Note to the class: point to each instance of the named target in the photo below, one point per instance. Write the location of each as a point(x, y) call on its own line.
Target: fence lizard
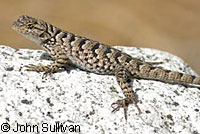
point(65, 47)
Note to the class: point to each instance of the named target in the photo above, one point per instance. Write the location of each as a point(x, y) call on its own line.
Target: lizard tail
point(161, 74)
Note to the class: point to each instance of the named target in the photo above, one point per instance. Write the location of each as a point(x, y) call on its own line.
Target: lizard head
point(31, 28)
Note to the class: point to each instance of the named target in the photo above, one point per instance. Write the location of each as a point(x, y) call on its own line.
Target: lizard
point(90, 55)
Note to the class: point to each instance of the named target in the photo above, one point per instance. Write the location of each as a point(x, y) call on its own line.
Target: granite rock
point(80, 100)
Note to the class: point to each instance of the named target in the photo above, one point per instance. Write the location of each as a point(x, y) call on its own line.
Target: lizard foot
point(124, 103)
point(36, 68)
point(152, 63)
point(41, 68)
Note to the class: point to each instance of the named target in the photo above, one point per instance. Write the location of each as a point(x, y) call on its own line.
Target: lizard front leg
point(51, 68)
point(124, 78)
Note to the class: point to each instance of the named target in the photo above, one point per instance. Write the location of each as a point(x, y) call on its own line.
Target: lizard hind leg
point(124, 80)
point(152, 63)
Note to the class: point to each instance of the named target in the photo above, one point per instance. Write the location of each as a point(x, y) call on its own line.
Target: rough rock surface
point(81, 98)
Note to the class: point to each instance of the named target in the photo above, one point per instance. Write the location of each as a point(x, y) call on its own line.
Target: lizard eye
point(29, 25)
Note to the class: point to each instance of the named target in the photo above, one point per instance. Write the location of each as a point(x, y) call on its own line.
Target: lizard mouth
point(16, 25)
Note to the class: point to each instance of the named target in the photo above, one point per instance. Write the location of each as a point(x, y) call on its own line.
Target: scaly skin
point(65, 47)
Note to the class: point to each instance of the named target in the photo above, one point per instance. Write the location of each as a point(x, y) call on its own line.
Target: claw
point(45, 74)
point(32, 67)
point(120, 103)
point(115, 109)
point(134, 102)
point(124, 103)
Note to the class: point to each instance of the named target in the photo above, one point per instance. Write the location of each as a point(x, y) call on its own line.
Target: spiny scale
point(95, 57)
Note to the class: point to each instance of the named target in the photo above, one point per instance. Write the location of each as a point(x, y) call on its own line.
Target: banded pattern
point(156, 73)
point(90, 55)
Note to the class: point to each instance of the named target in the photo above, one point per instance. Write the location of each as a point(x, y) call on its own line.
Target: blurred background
point(168, 25)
